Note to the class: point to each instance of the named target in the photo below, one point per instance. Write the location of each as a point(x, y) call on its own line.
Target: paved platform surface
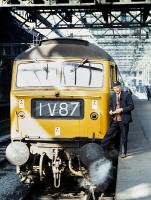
point(134, 171)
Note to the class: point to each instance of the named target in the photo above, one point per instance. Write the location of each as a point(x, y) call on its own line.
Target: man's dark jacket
point(126, 102)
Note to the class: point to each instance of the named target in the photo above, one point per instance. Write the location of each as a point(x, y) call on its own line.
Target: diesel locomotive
point(59, 108)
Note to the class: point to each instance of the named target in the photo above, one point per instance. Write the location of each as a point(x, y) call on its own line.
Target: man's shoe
point(123, 155)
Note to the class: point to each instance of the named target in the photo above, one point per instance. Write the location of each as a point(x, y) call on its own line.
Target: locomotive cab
point(59, 103)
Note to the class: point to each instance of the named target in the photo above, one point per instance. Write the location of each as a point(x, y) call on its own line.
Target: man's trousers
point(114, 129)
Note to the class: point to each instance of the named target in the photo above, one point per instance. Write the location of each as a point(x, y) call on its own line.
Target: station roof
point(121, 27)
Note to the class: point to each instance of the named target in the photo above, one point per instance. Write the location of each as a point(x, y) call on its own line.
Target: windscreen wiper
point(76, 67)
point(46, 70)
point(80, 64)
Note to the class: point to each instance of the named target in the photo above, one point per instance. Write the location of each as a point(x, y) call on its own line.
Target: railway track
point(67, 192)
point(61, 195)
point(4, 138)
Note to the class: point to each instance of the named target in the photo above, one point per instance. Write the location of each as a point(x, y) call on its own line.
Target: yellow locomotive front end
point(66, 108)
point(58, 105)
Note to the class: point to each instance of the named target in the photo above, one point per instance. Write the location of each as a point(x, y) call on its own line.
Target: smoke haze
point(100, 171)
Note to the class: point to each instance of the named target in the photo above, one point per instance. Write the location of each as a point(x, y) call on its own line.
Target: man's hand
point(119, 110)
point(111, 112)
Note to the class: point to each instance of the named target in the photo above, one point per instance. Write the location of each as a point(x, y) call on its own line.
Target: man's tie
point(118, 98)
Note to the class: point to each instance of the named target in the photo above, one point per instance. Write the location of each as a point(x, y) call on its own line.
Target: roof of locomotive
point(64, 47)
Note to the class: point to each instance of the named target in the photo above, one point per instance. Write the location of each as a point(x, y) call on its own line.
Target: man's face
point(117, 89)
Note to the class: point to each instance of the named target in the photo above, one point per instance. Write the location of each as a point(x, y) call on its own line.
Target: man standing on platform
point(121, 105)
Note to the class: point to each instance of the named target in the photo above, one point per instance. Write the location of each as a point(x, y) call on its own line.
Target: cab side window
point(113, 75)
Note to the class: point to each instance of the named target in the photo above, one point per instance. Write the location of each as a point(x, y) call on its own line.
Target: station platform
point(134, 171)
